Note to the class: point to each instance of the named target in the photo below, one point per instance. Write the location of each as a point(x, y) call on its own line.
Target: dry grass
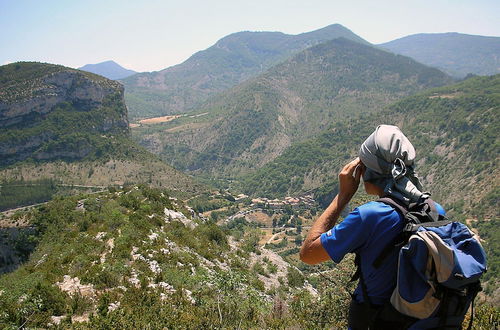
point(267, 234)
point(260, 217)
point(157, 120)
point(7, 221)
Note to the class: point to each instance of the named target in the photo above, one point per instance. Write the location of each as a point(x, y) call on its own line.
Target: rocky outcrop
point(51, 112)
point(22, 101)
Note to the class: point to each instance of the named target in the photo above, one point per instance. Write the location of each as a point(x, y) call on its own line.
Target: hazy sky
point(148, 35)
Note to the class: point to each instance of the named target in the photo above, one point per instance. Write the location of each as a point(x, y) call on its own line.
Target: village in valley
point(281, 223)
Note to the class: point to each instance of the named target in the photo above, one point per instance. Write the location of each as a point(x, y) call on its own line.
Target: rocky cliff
point(54, 112)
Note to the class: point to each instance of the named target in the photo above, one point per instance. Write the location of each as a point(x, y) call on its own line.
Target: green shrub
point(294, 277)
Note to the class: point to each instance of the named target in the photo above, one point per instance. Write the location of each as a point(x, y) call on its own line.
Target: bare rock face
point(22, 100)
point(53, 112)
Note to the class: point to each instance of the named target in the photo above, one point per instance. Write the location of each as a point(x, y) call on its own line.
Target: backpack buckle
point(410, 227)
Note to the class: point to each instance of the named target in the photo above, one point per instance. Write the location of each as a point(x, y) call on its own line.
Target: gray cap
point(389, 157)
point(384, 146)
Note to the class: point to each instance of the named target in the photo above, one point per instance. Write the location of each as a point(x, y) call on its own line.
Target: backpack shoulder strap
point(423, 211)
point(410, 223)
point(427, 210)
point(358, 275)
point(433, 212)
point(397, 206)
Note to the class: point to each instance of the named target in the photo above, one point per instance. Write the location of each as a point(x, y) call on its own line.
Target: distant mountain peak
point(332, 27)
point(108, 62)
point(230, 61)
point(109, 69)
point(255, 121)
point(456, 53)
point(334, 31)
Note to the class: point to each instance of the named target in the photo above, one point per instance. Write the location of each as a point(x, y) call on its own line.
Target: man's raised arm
point(312, 252)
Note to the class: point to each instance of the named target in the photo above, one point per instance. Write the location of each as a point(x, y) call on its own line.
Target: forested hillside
point(256, 121)
point(233, 59)
point(52, 112)
point(141, 258)
point(454, 130)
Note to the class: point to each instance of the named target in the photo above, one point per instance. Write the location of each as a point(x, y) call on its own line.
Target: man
point(385, 162)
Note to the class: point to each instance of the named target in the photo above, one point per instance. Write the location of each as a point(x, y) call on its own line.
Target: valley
point(251, 124)
point(180, 198)
point(156, 120)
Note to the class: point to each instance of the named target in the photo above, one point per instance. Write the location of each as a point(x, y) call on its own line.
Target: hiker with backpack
point(416, 269)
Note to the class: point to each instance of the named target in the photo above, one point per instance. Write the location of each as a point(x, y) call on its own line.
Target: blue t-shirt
point(367, 230)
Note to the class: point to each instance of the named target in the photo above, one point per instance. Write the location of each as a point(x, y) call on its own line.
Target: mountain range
point(455, 53)
point(254, 122)
point(108, 69)
point(243, 55)
point(230, 61)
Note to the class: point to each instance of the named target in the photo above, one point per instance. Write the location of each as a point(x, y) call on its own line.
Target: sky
point(150, 35)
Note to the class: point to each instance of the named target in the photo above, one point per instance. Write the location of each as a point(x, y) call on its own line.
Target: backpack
point(439, 266)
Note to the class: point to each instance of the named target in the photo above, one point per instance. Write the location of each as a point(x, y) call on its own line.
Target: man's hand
point(312, 252)
point(349, 178)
